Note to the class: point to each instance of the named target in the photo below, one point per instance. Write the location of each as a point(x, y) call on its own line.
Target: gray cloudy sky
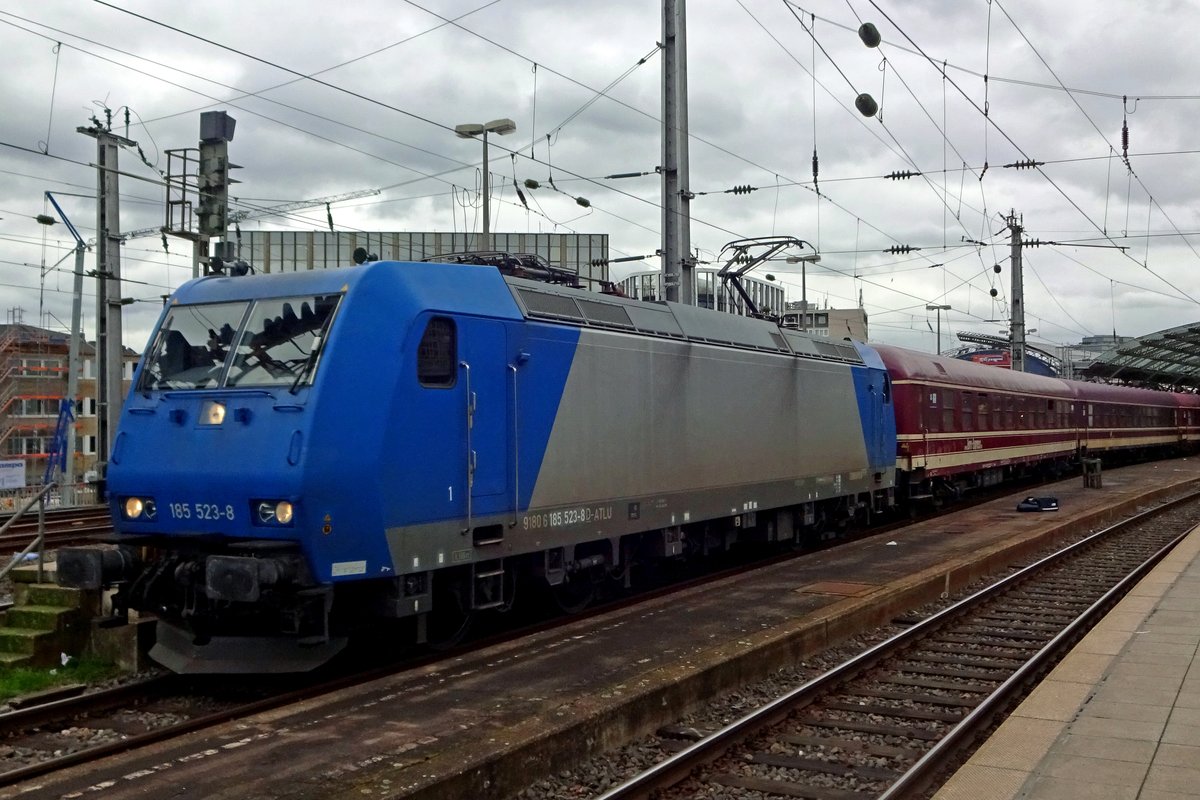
point(756, 117)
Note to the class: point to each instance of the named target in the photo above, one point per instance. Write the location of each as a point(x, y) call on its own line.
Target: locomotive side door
point(483, 376)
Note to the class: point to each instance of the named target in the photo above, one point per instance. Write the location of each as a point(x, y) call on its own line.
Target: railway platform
point(485, 724)
point(1119, 717)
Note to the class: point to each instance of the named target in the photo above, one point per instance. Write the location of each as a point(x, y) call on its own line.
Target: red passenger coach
point(1123, 418)
point(960, 425)
point(1189, 419)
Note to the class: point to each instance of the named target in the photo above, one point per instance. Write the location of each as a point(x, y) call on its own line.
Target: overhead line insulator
point(742, 189)
point(901, 175)
point(1027, 163)
point(901, 249)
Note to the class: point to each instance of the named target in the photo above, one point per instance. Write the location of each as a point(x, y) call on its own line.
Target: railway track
point(45, 738)
point(56, 734)
point(39, 741)
point(888, 722)
point(63, 526)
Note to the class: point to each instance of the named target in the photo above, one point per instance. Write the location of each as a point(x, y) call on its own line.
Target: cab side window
point(437, 354)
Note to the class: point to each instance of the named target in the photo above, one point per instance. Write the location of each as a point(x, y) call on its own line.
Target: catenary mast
point(677, 263)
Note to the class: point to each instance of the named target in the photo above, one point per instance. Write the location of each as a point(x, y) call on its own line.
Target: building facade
point(835, 323)
point(585, 254)
point(33, 388)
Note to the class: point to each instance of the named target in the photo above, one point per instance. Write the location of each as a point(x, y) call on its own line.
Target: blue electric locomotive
point(412, 440)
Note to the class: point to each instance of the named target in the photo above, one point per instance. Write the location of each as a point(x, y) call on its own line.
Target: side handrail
point(40, 540)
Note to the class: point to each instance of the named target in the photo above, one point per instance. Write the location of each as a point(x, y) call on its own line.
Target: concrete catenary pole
point(677, 261)
point(109, 351)
point(1018, 296)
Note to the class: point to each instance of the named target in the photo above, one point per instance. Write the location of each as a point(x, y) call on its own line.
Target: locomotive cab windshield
point(266, 342)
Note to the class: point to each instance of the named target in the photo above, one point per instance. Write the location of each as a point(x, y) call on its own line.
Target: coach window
point(437, 355)
point(968, 411)
point(948, 401)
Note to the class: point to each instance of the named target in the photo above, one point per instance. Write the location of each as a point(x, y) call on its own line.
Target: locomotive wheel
point(573, 596)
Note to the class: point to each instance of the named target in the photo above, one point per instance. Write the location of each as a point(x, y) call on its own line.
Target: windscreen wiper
point(314, 354)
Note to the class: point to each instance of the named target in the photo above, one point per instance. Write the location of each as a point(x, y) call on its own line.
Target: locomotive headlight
point(139, 508)
point(274, 512)
point(133, 507)
point(212, 412)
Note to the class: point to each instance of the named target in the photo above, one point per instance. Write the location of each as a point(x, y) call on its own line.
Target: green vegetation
point(27, 680)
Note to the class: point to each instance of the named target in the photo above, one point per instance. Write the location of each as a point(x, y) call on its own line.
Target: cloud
point(755, 114)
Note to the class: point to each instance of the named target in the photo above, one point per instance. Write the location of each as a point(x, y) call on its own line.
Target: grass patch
point(27, 680)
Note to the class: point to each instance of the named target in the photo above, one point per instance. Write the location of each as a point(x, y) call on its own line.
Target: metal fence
point(80, 494)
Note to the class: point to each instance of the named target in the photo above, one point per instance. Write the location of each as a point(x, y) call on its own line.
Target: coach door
point(1087, 413)
point(483, 376)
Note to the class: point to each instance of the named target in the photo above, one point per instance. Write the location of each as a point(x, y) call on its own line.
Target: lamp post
point(470, 130)
point(939, 310)
point(807, 258)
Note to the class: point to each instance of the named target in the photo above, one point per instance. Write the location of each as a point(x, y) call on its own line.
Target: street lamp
point(807, 258)
point(939, 310)
point(470, 131)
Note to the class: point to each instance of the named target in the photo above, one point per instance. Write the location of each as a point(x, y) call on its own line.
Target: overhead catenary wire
point(1017, 147)
point(1125, 148)
point(700, 221)
point(692, 135)
point(825, 177)
point(907, 157)
point(370, 100)
point(1114, 95)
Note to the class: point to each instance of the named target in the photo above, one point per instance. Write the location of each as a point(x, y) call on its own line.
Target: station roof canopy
point(1168, 359)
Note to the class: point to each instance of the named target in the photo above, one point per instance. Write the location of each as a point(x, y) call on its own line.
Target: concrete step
point(11, 660)
point(23, 641)
point(47, 594)
point(39, 617)
point(28, 573)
